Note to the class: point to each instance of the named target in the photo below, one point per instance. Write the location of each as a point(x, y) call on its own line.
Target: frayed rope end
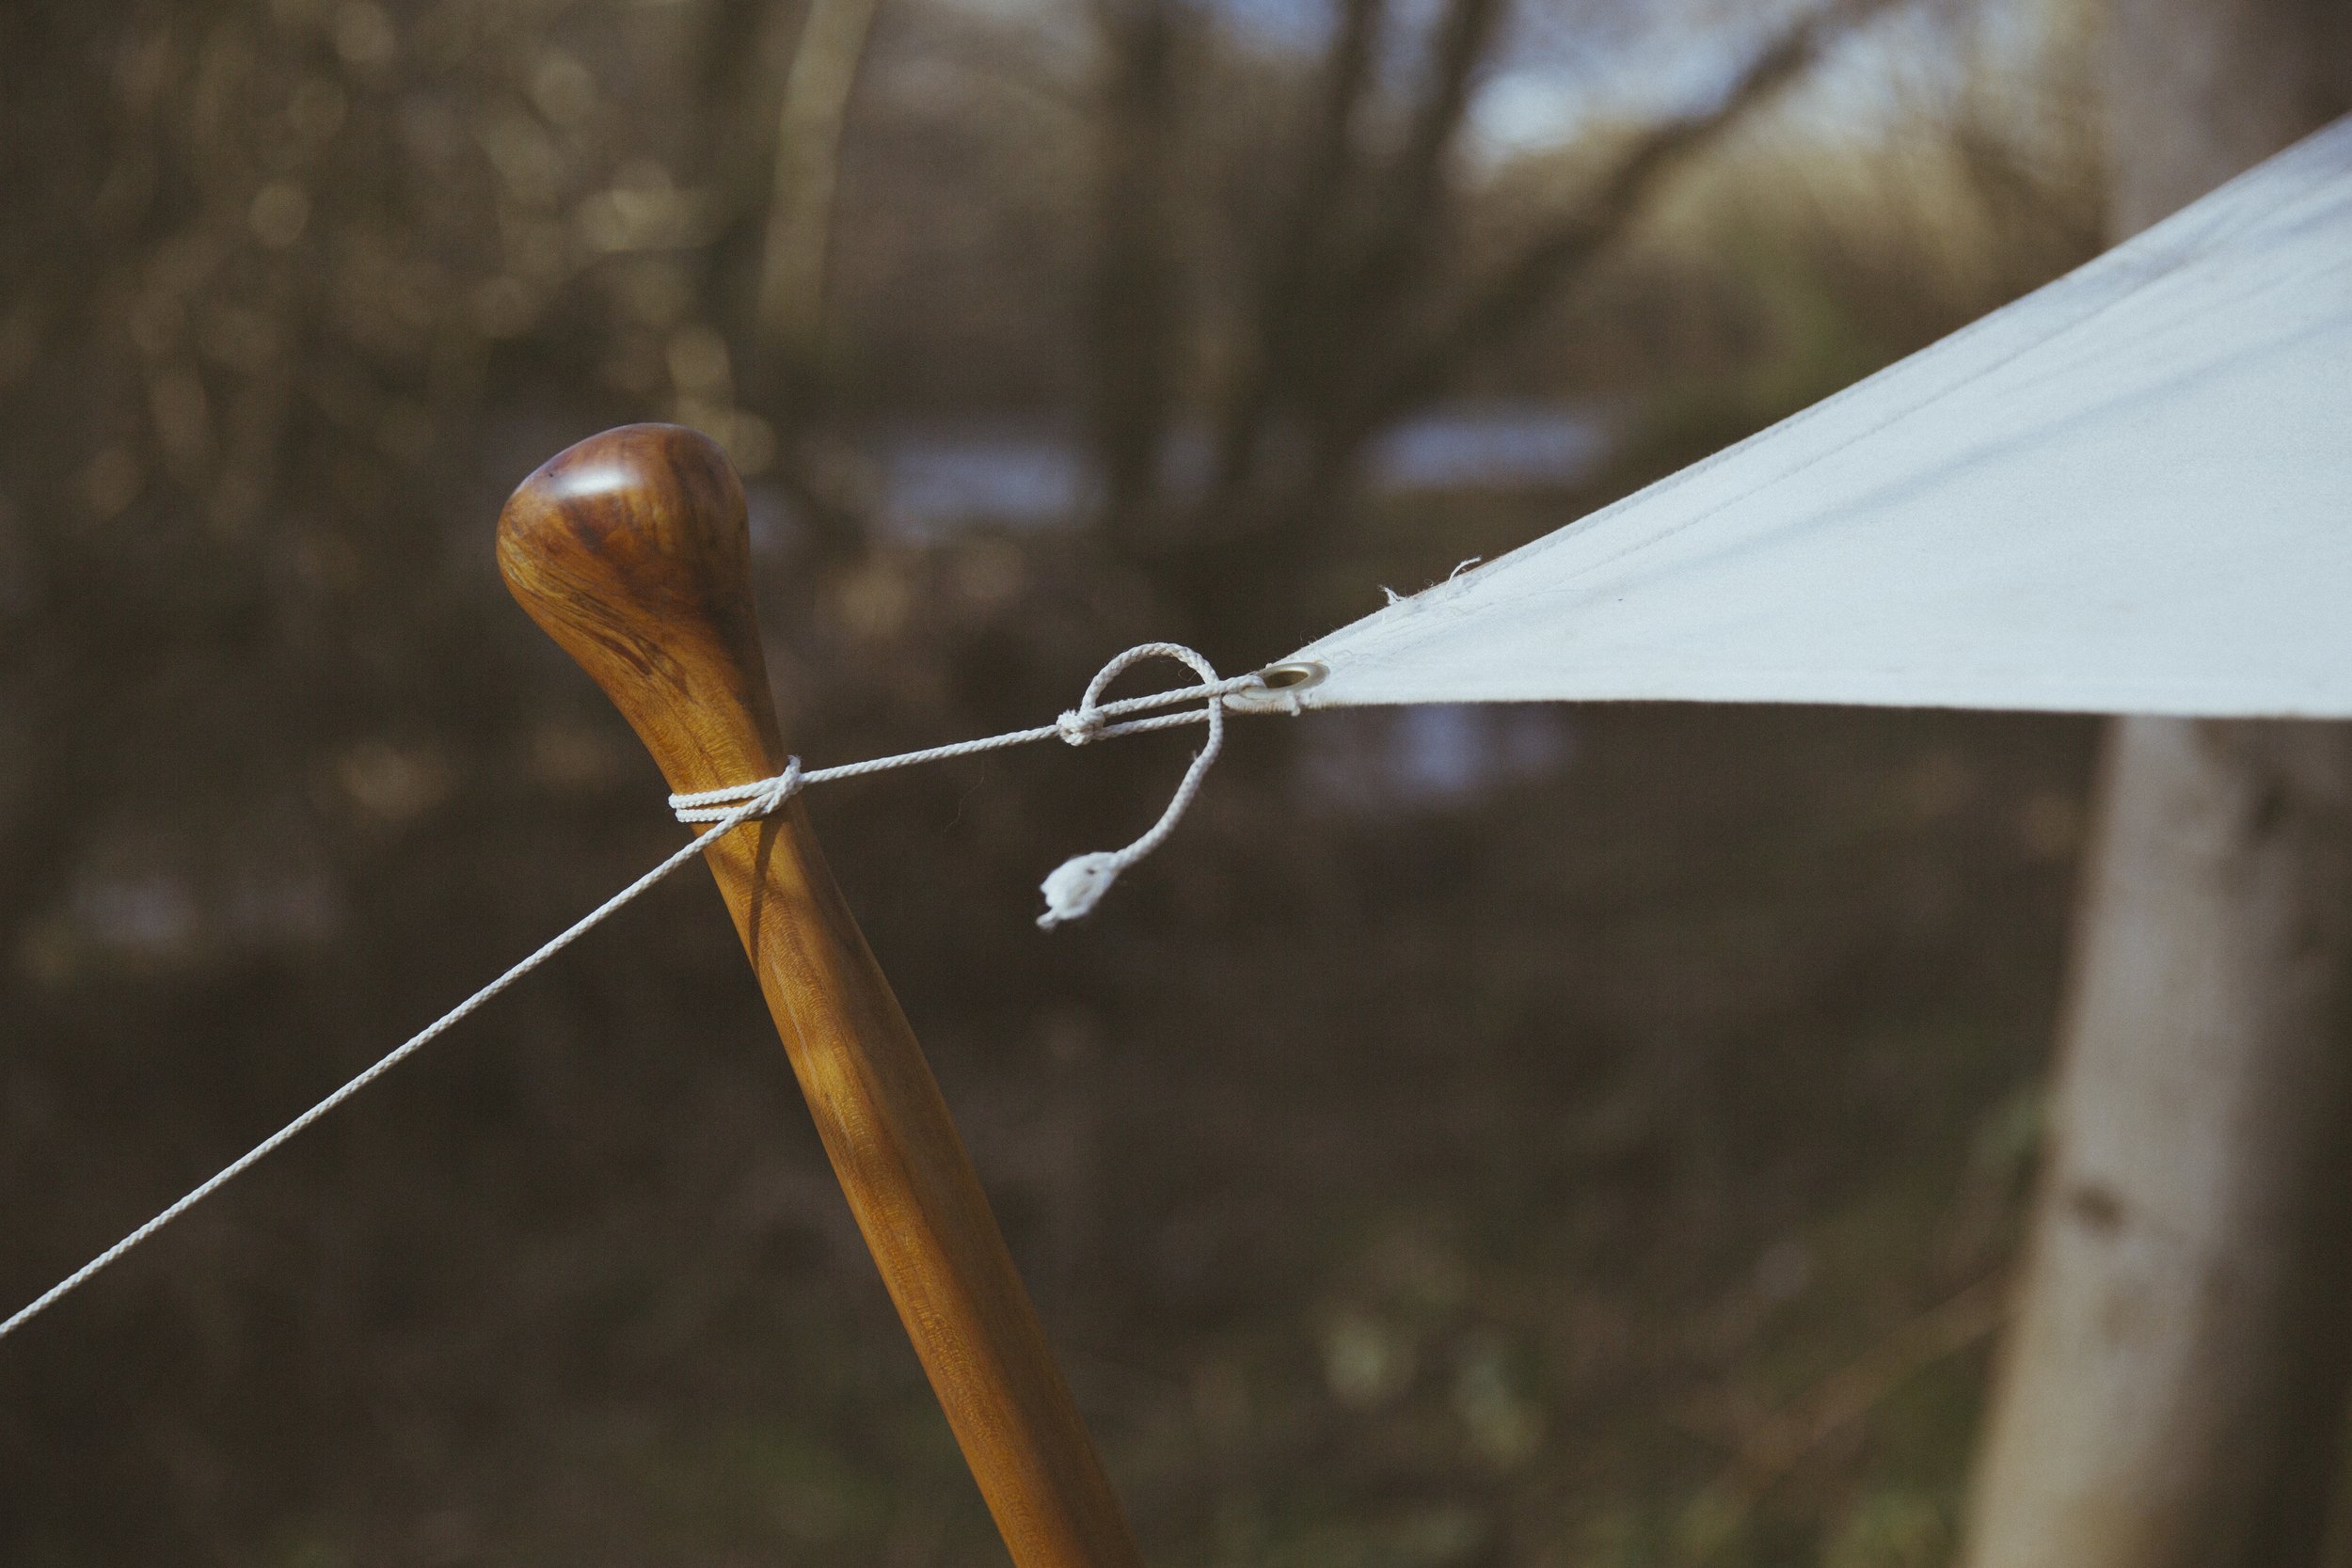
point(1077, 885)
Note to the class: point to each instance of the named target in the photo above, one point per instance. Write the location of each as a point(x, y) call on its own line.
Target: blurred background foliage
point(1512, 1136)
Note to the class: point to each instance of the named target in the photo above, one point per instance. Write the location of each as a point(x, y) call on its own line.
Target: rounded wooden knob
point(631, 550)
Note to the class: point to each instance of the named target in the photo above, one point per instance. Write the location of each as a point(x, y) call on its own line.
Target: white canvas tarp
point(2128, 492)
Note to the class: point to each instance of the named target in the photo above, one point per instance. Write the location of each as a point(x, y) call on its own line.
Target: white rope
point(1078, 884)
point(1086, 722)
point(727, 809)
point(415, 1043)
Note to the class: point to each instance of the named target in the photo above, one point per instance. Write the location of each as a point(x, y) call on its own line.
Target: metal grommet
point(1296, 676)
point(1281, 684)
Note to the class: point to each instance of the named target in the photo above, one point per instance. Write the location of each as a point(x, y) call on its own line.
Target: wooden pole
point(631, 550)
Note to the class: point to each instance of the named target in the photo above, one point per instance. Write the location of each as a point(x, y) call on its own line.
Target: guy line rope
point(1071, 892)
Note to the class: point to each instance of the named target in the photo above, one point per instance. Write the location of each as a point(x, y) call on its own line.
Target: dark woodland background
point(1533, 1137)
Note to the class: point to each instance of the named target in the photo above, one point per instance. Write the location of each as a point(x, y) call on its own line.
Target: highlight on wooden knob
point(631, 550)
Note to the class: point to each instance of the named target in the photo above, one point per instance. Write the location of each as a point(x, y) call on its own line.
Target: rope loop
point(1078, 884)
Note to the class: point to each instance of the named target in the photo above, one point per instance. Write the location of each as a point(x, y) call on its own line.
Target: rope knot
point(780, 789)
point(1079, 725)
point(739, 803)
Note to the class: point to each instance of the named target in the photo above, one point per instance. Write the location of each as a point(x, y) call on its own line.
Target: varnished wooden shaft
point(631, 550)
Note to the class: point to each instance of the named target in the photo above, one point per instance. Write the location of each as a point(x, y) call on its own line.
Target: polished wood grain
point(631, 550)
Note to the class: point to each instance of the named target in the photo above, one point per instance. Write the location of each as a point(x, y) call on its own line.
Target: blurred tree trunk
point(2172, 1393)
point(807, 168)
point(1136, 313)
